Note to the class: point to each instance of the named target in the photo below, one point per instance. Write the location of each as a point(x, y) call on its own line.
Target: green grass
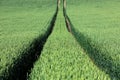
point(21, 22)
point(98, 22)
point(63, 59)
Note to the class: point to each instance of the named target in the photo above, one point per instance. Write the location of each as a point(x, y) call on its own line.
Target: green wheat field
point(59, 39)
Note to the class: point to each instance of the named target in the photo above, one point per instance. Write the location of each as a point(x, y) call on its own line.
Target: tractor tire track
point(100, 59)
point(22, 66)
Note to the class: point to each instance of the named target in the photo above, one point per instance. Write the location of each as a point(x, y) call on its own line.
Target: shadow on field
point(101, 59)
point(22, 66)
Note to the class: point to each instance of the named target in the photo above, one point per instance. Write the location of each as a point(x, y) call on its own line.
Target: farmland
point(63, 59)
point(20, 25)
point(75, 41)
point(96, 26)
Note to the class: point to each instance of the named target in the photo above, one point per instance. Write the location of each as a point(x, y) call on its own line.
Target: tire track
point(103, 61)
point(22, 66)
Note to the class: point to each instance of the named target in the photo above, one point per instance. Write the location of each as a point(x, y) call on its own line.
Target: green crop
point(63, 59)
point(20, 24)
point(90, 50)
point(96, 25)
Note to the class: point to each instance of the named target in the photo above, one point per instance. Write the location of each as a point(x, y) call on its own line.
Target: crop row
point(63, 59)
